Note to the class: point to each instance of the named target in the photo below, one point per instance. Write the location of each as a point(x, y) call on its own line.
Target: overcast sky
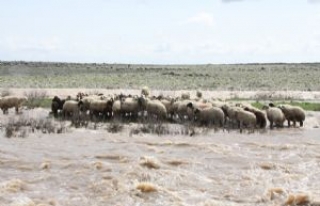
point(160, 31)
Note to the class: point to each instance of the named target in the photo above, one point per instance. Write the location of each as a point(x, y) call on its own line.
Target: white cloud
point(204, 18)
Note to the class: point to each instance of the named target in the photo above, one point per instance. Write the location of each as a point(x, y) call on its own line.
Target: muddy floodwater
point(89, 167)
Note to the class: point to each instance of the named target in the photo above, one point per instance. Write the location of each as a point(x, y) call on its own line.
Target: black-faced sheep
point(260, 116)
point(101, 107)
point(181, 110)
point(193, 105)
point(293, 113)
point(274, 115)
point(130, 106)
point(10, 102)
point(209, 116)
point(57, 105)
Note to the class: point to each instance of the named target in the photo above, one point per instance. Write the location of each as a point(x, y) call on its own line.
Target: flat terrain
point(94, 165)
point(245, 77)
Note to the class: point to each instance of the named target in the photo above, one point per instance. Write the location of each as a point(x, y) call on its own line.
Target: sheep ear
point(190, 105)
point(271, 105)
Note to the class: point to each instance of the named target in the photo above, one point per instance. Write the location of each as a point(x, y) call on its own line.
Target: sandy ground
point(296, 95)
point(213, 168)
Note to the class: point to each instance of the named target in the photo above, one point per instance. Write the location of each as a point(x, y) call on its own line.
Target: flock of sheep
point(178, 109)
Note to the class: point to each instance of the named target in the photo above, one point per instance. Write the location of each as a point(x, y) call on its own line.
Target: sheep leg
point(301, 123)
point(271, 124)
point(289, 123)
point(240, 126)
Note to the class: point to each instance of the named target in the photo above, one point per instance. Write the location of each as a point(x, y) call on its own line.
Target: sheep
point(181, 110)
point(154, 107)
point(293, 113)
point(185, 95)
point(12, 101)
point(196, 105)
point(130, 106)
point(199, 94)
point(145, 91)
point(168, 103)
point(57, 105)
point(207, 115)
point(86, 101)
point(260, 116)
point(245, 118)
point(71, 108)
point(274, 115)
point(217, 104)
point(230, 112)
point(101, 107)
point(200, 105)
point(116, 108)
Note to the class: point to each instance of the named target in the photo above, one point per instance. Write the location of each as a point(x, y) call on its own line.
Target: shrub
point(19, 127)
point(115, 127)
point(35, 98)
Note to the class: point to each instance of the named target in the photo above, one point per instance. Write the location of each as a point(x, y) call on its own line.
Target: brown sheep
point(260, 116)
point(11, 101)
point(293, 113)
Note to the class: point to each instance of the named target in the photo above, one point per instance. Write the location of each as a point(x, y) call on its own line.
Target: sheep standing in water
point(293, 114)
point(274, 115)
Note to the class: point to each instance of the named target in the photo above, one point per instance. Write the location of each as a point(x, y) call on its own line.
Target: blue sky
point(160, 31)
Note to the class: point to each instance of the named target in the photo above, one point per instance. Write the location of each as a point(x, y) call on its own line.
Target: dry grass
point(115, 127)
point(146, 187)
point(150, 162)
point(13, 186)
point(21, 126)
point(265, 77)
point(298, 199)
point(45, 165)
point(35, 98)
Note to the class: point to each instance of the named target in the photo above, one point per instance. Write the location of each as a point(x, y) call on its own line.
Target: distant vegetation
point(166, 77)
point(308, 106)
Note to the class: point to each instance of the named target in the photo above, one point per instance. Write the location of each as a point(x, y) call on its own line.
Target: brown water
point(94, 167)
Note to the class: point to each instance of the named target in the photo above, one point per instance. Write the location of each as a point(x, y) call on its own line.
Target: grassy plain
point(235, 77)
